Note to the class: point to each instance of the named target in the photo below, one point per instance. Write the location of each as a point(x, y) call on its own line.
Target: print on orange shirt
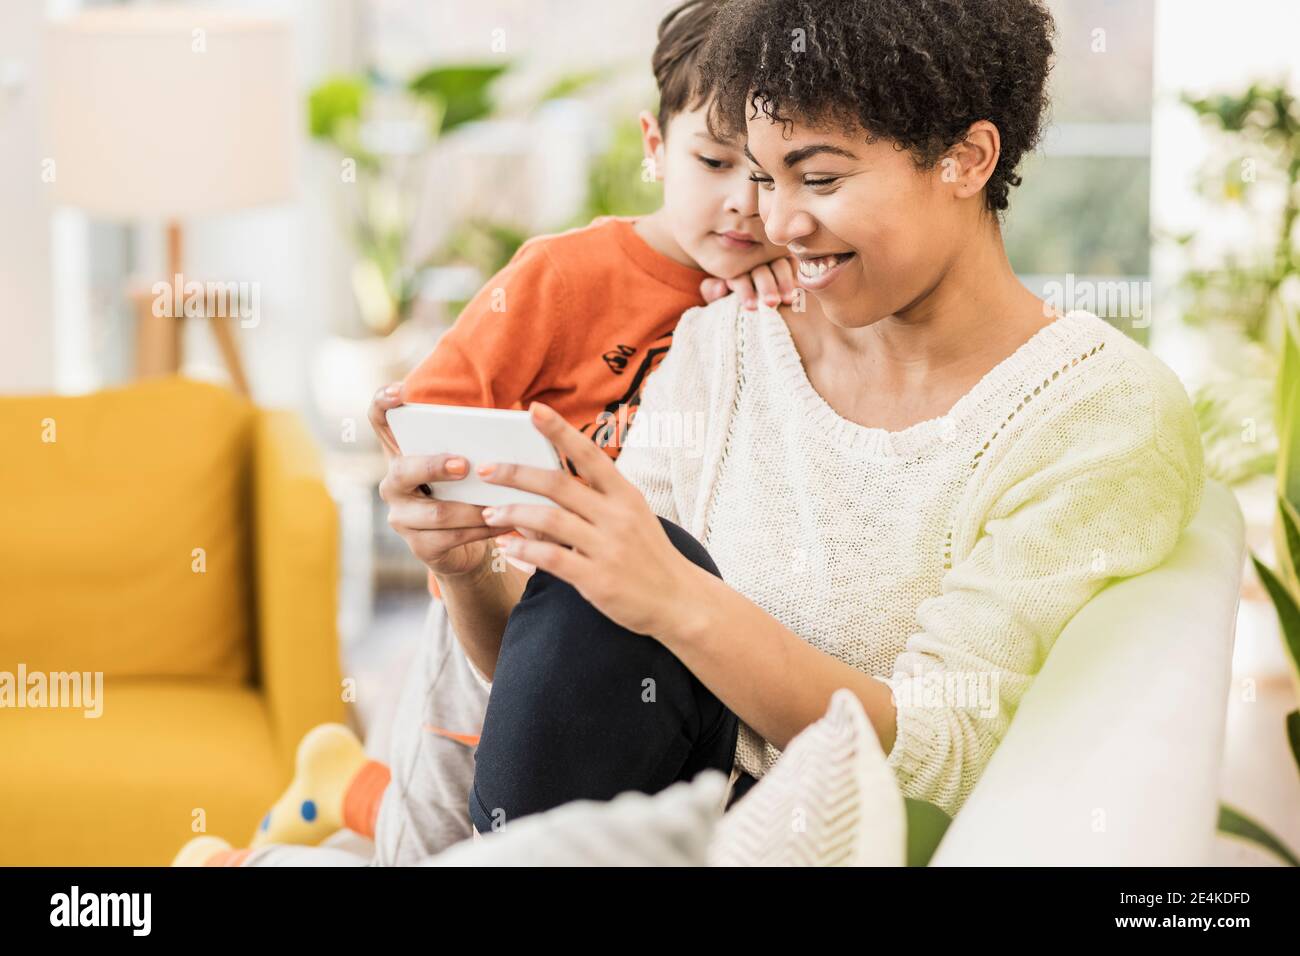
point(609, 429)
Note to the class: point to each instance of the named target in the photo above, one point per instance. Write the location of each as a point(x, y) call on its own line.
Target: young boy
point(577, 320)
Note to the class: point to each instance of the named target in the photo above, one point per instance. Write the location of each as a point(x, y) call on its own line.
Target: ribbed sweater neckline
point(1043, 348)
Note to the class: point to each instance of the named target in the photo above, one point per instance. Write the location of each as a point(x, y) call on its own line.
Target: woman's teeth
point(812, 268)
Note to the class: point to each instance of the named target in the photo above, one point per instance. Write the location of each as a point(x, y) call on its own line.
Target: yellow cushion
point(121, 790)
point(126, 522)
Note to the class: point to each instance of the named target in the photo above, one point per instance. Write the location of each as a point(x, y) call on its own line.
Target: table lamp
point(166, 113)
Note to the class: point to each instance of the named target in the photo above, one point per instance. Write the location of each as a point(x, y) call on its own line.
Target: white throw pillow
point(671, 828)
point(830, 800)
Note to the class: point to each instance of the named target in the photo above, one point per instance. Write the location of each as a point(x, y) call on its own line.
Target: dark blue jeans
point(582, 708)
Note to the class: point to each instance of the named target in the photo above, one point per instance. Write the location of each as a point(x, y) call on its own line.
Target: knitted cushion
point(671, 828)
point(830, 800)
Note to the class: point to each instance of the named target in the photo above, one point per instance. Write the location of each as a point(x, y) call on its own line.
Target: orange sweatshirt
point(576, 320)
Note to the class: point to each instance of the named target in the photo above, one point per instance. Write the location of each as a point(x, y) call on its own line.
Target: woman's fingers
point(428, 514)
point(552, 524)
point(765, 285)
point(406, 473)
point(591, 463)
point(433, 545)
point(773, 282)
point(743, 286)
point(553, 483)
point(786, 281)
point(388, 397)
point(564, 563)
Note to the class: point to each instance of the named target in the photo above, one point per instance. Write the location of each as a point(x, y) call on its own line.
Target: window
point(1078, 231)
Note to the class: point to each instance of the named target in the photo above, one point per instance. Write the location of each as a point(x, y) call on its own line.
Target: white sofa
point(1113, 757)
point(1111, 760)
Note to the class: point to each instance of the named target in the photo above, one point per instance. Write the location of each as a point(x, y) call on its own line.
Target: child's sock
point(363, 796)
point(319, 799)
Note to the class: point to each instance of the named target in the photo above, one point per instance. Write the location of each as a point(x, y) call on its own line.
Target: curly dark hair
point(917, 72)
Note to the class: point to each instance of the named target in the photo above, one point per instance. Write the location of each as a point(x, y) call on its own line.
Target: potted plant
point(1257, 293)
point(382, 132)
point(1283, 585)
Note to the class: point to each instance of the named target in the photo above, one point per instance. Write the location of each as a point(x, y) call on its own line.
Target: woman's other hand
point(450, 537)
point(388, 397)
point(601, 537)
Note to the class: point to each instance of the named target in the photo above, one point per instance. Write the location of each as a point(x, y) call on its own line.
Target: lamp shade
point(169, 112)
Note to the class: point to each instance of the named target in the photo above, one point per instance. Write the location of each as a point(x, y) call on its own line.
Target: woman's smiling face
point(872, 232)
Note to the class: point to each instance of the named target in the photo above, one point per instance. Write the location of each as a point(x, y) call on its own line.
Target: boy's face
point(710, 204)
point(873, 234)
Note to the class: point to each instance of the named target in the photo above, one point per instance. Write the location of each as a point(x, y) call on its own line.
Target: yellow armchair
point(168, 578)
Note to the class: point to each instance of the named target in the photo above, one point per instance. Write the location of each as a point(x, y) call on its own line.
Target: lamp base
point(158, 336)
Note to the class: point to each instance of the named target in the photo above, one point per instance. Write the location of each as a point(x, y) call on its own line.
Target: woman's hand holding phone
point(388, 397)
point(449, 537)
point(600, 537)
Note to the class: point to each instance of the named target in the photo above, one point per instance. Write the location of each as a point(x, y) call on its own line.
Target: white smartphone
point(479, 435)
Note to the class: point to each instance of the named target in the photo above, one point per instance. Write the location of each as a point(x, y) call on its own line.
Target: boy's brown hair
point(676, 60)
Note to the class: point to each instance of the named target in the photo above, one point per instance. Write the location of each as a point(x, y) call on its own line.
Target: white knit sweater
point(944, 558)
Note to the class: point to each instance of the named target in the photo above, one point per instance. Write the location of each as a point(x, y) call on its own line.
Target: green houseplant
point(380, 156)
point(1244, 295)
point(1256, 291)
point(1283, 585)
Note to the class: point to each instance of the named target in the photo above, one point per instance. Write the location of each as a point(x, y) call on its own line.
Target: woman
point(906, 489)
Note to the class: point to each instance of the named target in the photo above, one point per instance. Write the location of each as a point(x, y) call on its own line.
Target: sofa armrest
point(296, 542)
point(1113, 756)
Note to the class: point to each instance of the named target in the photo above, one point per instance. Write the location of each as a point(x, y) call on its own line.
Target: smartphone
point(479, 435)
